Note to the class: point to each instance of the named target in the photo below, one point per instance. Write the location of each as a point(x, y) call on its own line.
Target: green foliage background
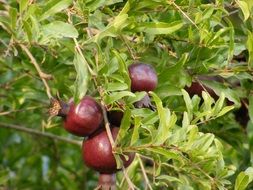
point(84, 47)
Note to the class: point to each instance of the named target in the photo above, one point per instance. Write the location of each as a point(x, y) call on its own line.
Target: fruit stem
point(107, 181)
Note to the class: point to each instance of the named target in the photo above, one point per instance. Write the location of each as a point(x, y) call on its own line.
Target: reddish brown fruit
point(115, 117)
point(97, 152)
point(143, 77)
point(197, 89)
point(84, 118)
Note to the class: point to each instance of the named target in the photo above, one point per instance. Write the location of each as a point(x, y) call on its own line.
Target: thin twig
point(78, 48)
point(107, 126)
point(81, 53)
point(129, 182)
point(130, 50)
point(20, 110)
point(39, 133)
point(144, 172)
point(178, 8)
point(42, 75)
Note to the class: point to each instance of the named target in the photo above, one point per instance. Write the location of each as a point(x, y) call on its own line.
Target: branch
point(39, 133)
point(20, 110)
point(42, 75)
point(107, 126)
point(109, 134)
point(144, 172)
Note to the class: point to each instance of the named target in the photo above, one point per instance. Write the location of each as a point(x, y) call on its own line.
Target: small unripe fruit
point(84, 118)
point(97, 152)
point(143, 77)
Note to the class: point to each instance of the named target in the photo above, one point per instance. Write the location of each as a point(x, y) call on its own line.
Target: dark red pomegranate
point(143, 77)
point(197, 89)
point(115, 117)
point(84, 118)
point(97, 152)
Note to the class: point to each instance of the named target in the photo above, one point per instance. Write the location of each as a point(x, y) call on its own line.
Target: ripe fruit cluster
point(86, 120)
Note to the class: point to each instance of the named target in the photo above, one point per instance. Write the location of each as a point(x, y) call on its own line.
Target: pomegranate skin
point(143, 77)
point(196, 88)
point(97, 152)
point(84, 118)
point(115, 117)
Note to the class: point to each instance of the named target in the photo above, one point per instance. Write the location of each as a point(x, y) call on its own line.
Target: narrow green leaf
point(82, 77)
point(160, 27)
point(185, 122)
point(13, 16)
point(219, 104)
point(249, 45)
point(28, 30)
point(135, 135)
point(168, 154)
point(23, 5)
point(219, 88)
point(125, 124)
point(117, 95)
point(96, 4)
point(138, 96)
point(204, 142)
point(122, 66)
point(243, 179)
point(166, 121)
point(116, 86)
point(54, 6)
point(250, 109)
point(168, 178)
point(59, 29)
point(188, 104)
point(225, 110)
point(245, 9)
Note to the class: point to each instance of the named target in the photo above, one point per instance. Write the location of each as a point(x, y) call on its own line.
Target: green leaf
point(160, 27)
point(168, 90)
point(125, 124)
point(116, 86)
point(188, 104)
point(250, 109)
point(167, 153)
point(219, 104)
point(54, 6)
point(219, 88)
point(249, 45)
point(82, 77)
point(115, 96)
point(168, 178)
point(243, 179)
point(185, 122)
point(204, 142)
point(59, 29)
point(13, 15)
point(167, 121)
point(28, 30)
point(225, 110)
point(135, 135)
point(245, 9)
point(112, 29)
point(138, 96)
point(23, 5)
point(122, 66)
point(96, 4)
